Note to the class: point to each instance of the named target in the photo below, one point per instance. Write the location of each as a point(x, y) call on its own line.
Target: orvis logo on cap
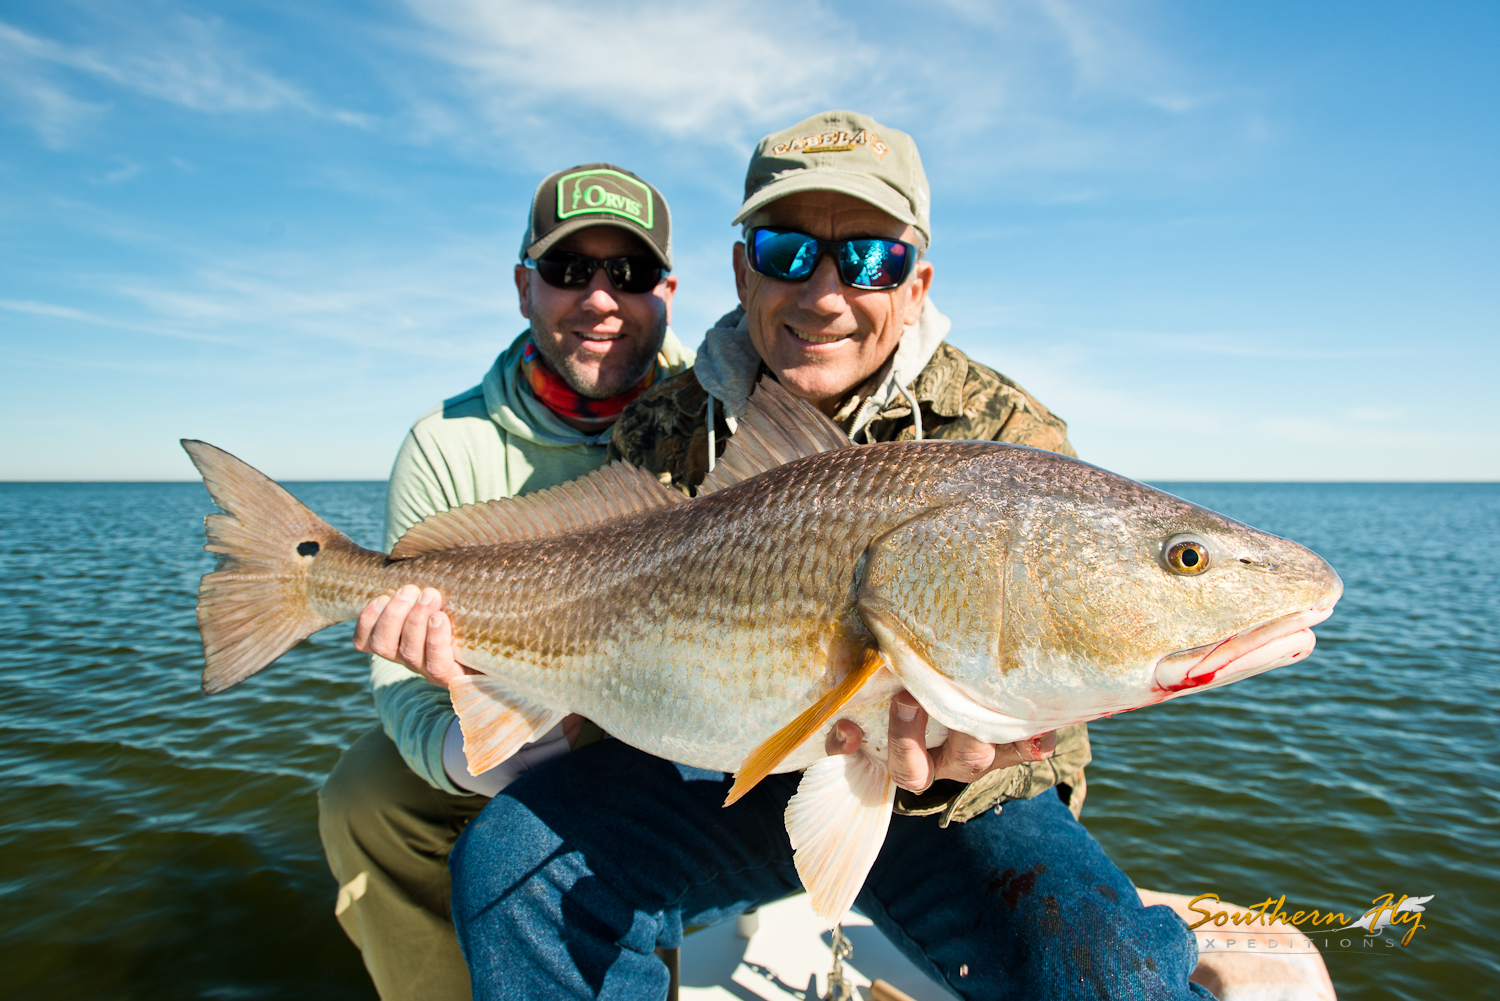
point(594, 191)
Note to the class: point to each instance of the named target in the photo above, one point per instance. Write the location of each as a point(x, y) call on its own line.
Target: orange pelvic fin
point(774, 749)
point(495, 723)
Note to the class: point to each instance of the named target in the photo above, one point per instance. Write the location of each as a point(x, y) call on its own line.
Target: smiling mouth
point(595, 341)
point(810, 338)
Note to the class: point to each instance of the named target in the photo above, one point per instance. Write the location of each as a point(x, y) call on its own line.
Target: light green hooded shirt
point(493, 441)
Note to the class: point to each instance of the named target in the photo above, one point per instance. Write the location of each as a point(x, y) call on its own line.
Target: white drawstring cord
point(916, 409)
point(712, 445)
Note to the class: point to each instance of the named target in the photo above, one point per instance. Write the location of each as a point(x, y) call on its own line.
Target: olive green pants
point(387, 835)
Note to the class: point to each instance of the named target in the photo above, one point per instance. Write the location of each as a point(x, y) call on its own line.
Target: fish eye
point(1186, 554)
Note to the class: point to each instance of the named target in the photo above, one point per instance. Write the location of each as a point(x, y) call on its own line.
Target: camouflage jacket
point(665, 431)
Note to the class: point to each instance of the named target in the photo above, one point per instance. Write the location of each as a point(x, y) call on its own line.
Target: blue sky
point(1224, 241)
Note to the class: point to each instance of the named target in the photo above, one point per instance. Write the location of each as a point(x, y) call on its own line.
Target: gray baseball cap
point(597, 194)
point(841, 151)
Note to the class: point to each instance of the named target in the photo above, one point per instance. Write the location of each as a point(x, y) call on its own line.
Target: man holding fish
point(567, 882)
point(594, 283)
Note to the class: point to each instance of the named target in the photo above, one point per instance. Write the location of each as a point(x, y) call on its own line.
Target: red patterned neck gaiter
point(561, 398)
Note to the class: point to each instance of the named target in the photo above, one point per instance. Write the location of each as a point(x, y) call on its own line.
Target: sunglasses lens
point(564, 270)
point(628, 274)
point(874, 264)
point(634, 274)
point(788, 256)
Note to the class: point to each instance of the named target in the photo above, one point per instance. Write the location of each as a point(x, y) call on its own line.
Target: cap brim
point(855, 185)
point(572, 226)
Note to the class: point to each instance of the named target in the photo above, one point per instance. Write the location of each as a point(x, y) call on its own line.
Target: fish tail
point(257, 603)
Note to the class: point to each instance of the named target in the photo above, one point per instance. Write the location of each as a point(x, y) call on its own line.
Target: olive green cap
point(841, 151)
point(597, 194)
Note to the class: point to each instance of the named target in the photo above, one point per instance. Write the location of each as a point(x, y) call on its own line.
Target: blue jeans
point(570, 878)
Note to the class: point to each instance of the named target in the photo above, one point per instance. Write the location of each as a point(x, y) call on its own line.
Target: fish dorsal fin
point(617, 490)
point(777, 428)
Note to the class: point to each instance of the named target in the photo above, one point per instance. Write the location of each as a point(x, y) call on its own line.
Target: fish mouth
point(1271, 644)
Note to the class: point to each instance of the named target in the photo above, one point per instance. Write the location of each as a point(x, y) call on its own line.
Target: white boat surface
point(787, 956)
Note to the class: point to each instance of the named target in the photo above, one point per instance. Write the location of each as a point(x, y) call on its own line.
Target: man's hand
point(960, 757)
point(410, 628)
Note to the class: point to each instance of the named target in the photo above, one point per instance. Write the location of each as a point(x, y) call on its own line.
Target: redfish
point(1011, 591)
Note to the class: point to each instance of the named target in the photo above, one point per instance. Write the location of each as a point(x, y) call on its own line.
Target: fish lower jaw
point(1269, 645)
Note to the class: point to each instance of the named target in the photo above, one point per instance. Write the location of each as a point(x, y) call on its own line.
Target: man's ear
point(741, 274)
point(523, 289)
point(665, 292)
point(916, 290)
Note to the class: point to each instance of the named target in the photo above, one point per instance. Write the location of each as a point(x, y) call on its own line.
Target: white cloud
point(48, 108)
point(1046, 88)
point(431, 301)
point(34, 308)
point(1332, 433)
point(1378, 414)
point(991, 86)
point(688, 70)
point(124, 172)
point(182, 59)
point(1249, 345)
point(1075, 49)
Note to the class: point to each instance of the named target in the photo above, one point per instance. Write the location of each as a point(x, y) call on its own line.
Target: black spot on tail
point(307, 548)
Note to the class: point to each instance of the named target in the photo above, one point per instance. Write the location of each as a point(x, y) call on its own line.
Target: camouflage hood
point(728, 364)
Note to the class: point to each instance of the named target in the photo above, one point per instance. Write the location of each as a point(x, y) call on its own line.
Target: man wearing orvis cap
point(593, 282)
point(568, 881)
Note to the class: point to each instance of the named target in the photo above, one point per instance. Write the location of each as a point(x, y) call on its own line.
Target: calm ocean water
point(157, 844)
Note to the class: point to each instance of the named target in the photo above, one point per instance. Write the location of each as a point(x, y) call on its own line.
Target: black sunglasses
point(565, 269)
point(863, 262)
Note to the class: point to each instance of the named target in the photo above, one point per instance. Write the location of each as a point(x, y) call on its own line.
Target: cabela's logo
point(1268, 925)
point(594, 191)
point(833, 142)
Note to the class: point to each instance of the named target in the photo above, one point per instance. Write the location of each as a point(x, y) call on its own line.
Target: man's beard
point(616, 378)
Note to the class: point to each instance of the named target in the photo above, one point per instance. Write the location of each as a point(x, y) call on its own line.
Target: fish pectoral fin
point(933, 690)
point(838, 821)
point(495, 723)
point(774, 749)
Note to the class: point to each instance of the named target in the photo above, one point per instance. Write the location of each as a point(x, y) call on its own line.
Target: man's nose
point(600, 296)
point(823, 292)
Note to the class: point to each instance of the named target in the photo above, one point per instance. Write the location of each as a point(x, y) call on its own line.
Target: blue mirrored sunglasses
point(863, 262)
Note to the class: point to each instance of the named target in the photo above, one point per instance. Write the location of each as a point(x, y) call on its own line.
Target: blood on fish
point(1190, 683)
